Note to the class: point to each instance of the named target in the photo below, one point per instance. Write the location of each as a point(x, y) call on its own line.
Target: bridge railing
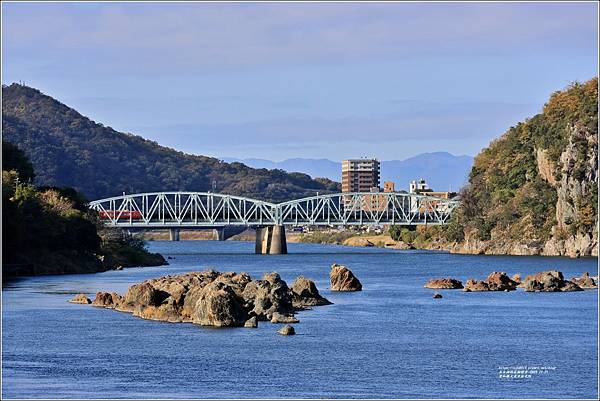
point(205, 209)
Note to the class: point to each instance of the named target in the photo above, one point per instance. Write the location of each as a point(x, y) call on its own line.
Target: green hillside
point(68, 149)
point(534, 189)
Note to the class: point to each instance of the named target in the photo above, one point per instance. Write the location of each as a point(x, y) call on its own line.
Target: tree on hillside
point(14, 158)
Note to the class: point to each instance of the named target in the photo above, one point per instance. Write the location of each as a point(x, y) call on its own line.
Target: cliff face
point(534, 191)
point(579, 177)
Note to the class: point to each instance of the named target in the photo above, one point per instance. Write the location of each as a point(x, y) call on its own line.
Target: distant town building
point(389, 186)
point(375, 202)
point(379, 203)
point(442, 194)
point(416, 187)
point(360, 175)
point(420, 187)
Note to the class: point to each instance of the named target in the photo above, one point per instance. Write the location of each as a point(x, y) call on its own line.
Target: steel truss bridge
point(213, 210)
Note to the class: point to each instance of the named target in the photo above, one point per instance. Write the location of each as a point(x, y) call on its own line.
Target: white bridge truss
point(213, 210)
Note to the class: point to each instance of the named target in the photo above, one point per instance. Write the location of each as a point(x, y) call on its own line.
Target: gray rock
point(80, 299)
point(548, 281)
point(305, 293)
point(281, 318)
point(287, 330)
point(251, 323)
point(585, 281)
point(267, 296)
point(219, 306)
point(145, 294)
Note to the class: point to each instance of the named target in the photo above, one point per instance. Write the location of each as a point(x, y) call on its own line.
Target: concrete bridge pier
point(271, 240)
point(174, 234)
point(219, 234)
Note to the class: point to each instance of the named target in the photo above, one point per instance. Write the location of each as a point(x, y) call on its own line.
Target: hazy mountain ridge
point(68, 149)
point(442, 170)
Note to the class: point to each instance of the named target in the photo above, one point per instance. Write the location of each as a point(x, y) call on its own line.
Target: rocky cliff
point(534, 191)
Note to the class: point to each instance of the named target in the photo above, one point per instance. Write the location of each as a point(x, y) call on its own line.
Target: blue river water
point(392, 340)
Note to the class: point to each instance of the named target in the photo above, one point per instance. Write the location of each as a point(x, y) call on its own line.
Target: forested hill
point(68, 149)
point(534, 190)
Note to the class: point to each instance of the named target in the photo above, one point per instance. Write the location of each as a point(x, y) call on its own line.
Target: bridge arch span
point(181, 209)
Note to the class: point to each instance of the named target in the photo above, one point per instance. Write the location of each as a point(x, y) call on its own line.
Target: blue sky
point(280, 80)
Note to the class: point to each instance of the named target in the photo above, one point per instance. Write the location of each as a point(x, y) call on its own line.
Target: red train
point(121, 215)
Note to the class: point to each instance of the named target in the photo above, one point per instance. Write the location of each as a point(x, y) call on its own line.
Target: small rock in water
point(342, 279)
point(107, 300)
point(305, 293)
point(437, 295)
point(571, 286)
point(443, 283)
point(495, 281)
point(287, 330)
point(251, 323)
point(80, 299)
point(585, 281)
point(281, 318)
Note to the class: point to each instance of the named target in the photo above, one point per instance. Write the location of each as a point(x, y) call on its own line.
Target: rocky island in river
point(211, 298)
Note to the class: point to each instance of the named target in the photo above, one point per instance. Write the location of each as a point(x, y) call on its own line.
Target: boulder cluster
point(495, 281)
point(210, 298)
point(553, 281)
point(548, 281)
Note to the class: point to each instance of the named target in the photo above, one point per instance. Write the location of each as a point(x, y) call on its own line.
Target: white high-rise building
point(419, 186)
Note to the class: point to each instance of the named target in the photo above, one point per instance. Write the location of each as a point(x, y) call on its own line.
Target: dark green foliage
point(120, 249)
point(51, 231)
point(14, 158)
point(453, 231)
point(68, 149)
point(404, 234)
point(37, 224)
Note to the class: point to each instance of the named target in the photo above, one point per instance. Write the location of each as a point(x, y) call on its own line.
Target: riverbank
point(111, 257)
point(432, 242)
point(419, 239)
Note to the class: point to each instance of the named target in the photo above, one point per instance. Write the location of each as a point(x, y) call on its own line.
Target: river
point(392, 340)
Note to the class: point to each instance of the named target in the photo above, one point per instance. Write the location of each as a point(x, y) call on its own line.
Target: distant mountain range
point(442, 170)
